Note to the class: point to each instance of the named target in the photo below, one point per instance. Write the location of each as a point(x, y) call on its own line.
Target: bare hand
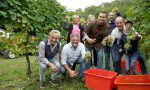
point(53, 68)
point(91, 41)
point(137, 35)
point(120, 50)
point(73, 73)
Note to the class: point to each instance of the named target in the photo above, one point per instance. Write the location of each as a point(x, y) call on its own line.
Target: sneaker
point(42, 85)
point(53, 82)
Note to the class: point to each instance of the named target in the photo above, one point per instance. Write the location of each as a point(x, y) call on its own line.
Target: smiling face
point(128, 26)
point(54, 38)
point(119, 23)
point(102, 18)
point(111, 16)
point(90, 18)
point(75, 19)
point(75, 40)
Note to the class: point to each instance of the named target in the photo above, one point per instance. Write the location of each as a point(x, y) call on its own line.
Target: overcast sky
point(75, 4)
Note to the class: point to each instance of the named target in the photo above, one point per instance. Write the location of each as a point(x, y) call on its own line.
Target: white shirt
point(117, 34)
point(70, 54)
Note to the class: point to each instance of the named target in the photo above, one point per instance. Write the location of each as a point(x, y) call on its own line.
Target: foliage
point(28, 22)
point(36, 17)
point(141, 17)
point(134, 10)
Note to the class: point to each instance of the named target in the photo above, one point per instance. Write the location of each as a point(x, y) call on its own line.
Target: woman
point(75, 27)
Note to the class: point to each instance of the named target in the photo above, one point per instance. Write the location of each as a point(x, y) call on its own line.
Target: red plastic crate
point(98, 79)
point(133, 82)
point(137, 66)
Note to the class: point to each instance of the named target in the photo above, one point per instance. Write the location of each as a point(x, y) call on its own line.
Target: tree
point(28, 22)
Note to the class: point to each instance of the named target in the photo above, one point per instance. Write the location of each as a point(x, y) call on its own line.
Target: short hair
point(74, 35)
point(111, 13)
point(75, 16)
point(129, 22)
point(103, 12)
point(90, 15)
point(54, 31)
point(119, 17)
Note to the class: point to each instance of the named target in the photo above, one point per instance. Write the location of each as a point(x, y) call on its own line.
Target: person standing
point(96, 31)
point(129, 45)
point(116, 55)
point(107, 49)
point(75, 27)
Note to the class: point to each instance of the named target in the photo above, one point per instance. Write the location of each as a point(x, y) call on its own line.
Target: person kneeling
point(49, 57)
point(73, 53)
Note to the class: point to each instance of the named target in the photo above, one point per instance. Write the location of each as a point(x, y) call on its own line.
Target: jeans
point(142, 63)
point(54, 75)
point(107, 51)
point(130, 63)
point(82, 66)
point(89, 63)
point(99, 59)
point(116, 57)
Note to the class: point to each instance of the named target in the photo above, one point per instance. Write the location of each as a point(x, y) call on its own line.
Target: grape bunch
point(87, 56)
point(114, 10)
point(107, 40)
point(131, 37)
point(104, 41)
point(127, 46)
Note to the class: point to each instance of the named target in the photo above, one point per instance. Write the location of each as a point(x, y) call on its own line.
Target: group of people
point(88, 39)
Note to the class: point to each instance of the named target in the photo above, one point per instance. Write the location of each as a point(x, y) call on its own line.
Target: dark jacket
point(98, 32)
point(133, 43)
point(112, 25)
point(48, 54)
point(70, 30)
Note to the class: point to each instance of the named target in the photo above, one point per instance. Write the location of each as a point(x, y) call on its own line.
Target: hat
point(129, 22)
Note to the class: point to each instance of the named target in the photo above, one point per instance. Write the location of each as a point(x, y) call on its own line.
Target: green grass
point(13, 76)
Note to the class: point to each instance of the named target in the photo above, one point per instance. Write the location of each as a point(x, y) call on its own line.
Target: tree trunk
point(28, 71)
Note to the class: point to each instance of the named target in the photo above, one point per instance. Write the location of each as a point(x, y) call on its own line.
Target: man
point(49, 57)
point(133, 53)
point(107, 49)
point(116, 55)
point(96, 31)
point(73, 53)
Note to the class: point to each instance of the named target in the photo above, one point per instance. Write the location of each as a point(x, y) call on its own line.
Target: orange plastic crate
point(133, 82)
point(98, 79)
point(137, 66)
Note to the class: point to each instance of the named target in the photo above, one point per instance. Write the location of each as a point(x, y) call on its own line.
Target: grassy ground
point(13, 76)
